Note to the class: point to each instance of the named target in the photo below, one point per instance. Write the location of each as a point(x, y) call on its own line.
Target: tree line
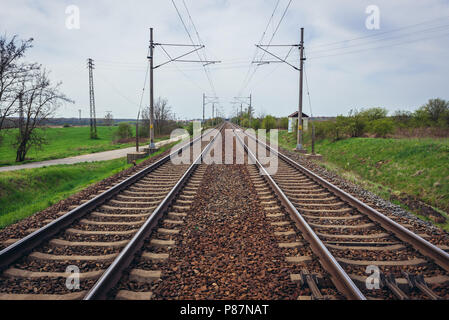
point(431, 118)
point(28, 98)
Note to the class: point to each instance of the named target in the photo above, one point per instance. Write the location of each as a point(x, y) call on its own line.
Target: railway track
point(358, 238)
point(203, 231)
point(91, 237)
point(204, 254)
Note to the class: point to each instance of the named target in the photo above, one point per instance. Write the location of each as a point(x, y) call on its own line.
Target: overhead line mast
point(299, 144)
point(150, 57)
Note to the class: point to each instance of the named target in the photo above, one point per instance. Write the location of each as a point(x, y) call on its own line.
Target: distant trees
point(27, 93)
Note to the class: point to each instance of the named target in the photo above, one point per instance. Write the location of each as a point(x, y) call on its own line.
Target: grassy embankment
point(25, 192)
point(416, 167)
point(64, 142)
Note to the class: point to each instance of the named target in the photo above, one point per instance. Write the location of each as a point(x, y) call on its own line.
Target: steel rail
point(13, 252)
point(114, 272)
point(339, 277)
point(428, 249)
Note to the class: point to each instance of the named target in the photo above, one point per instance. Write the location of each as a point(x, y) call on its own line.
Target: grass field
point(63, 142)
point(25, 192)
point(417, 167)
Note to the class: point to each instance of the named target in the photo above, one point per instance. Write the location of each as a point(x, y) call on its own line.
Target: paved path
point(92, 157)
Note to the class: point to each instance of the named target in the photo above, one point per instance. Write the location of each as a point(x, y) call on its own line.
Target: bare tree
point(39, 100)
point(162, 114)
point(109, 119)
point(13, 73)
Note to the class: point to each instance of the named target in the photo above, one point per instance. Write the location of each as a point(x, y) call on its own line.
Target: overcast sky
point(398, 66)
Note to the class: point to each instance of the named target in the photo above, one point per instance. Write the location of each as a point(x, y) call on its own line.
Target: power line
point(260, 41)
point(380, 33)
point(380, 47)
point(384, 39)
point(269, 43)
point(190, 37)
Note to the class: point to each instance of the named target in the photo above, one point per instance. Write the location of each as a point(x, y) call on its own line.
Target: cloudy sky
point(398, 66)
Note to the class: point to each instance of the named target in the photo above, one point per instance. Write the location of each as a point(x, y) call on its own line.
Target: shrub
point(383, 127)
point(124, 131)
point(402, 118)
point(269, 122)
point(357, 124)
point(255, 124)
point(190, 128)
point(283, 123)
point(372, 114)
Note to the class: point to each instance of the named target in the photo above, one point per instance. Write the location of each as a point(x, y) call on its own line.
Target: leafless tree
point(13, 73)
point(109, 119)
point(38, 101)
point(162, 114)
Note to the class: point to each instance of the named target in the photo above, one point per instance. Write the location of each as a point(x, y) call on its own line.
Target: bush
point(269, 122)
point(356, 124)
point(402, 118)
point(382, 127)
point(374, 114)
point(124, 131)
point(144, 131)
point(283, 123)
point(190, 128)
point(255, 124)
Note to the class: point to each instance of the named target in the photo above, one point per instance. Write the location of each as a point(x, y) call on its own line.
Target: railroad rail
point(357, 236)
point(100, 227)
point(131, 240)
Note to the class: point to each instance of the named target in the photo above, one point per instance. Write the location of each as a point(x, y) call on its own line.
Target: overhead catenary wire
point(256, 50)
point(412, 34)
point(269, 43)
point(379, 33)
point(191, 39)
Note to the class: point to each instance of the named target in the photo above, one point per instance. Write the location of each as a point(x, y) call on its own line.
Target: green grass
point(418, 167)
point(63, 142)
point(25, 192)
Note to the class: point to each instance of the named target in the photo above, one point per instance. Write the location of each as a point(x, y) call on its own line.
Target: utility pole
point(208, 100)
point(204, 104)
point(137, 131)
point(79, 111)
point(93, 120)
point(151, 57)
point(250, 108)
point(213, 118)
point(299, 146)
point(153, 44)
